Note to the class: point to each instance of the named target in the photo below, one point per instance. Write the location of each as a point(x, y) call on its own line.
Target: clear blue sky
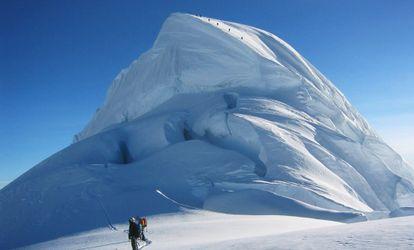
point(57, 58)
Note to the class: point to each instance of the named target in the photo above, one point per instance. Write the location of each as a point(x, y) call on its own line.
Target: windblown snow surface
point(207, 230)
point(218, 116)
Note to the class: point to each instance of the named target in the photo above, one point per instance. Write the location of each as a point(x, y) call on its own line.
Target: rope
point(107, 217)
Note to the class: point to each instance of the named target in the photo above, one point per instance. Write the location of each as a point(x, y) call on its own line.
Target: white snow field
point(207, 230)
point(217, 116)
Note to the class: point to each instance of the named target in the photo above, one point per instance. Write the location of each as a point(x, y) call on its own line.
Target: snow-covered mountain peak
point(217, 116)
point(195, 54)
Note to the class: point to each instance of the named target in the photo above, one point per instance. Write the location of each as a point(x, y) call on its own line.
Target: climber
point(143, 225)
point(133, 233)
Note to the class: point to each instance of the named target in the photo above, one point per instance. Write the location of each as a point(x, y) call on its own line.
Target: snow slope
point(206, 230)
point(220, 116)
point(379, 234)
point(188, 229)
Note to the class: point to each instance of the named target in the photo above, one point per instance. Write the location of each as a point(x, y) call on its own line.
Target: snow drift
point(217, 115)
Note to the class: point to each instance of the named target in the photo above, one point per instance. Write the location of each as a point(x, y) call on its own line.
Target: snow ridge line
point(173, 201)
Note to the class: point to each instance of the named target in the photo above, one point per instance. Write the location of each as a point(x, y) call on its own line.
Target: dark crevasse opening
point(231, 99)
point(125, 155)
point(187, 134)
